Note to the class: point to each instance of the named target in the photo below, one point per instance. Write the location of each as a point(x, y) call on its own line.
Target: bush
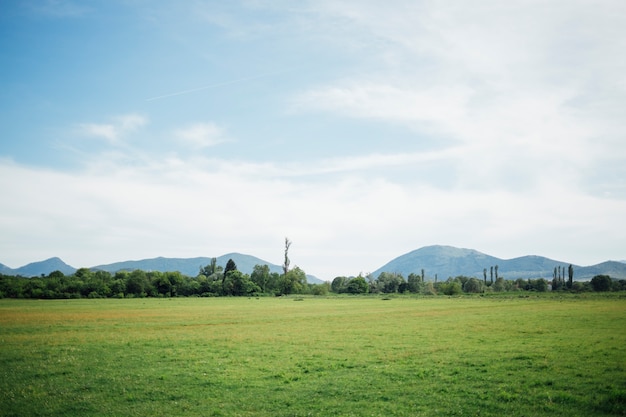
point(601, 283)
point(451, 288)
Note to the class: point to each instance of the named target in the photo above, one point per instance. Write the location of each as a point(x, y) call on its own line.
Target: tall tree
point(422, 274)
point(555, 281)
point(485, 275)
point(286, 263)
point(230, 266)
point(491, 273)
point(496, 268)
point(570, 274)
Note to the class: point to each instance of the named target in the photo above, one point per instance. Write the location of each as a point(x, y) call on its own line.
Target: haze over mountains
point(444, 261)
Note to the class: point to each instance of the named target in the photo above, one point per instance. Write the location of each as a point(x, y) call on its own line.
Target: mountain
point(191, 266)
point(186, 266)
point(6, 270)
point(36, 269)
point(448, 261)
point(441, 260)
point(613, 269)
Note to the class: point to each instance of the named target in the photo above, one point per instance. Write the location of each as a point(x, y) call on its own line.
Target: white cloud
point(519, 104)
point(518, 89)
point(114, 131)
point(201, 135)
point(340, 224)
point(104, 131)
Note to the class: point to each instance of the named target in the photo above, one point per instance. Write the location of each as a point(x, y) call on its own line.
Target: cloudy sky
point(360, 129)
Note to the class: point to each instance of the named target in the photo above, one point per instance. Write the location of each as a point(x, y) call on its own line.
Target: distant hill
point(36, 269)
point(5, 270)
point(191, 266)
point(448, 261)
point(186, 266)
point(445, 261)
point(613, 269)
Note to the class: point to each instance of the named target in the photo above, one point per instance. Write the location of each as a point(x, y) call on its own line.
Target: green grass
point(344, 356)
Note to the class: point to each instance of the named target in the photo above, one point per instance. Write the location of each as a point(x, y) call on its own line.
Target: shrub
point(601, 283)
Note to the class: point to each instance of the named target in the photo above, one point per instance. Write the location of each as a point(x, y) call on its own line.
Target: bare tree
point(286, 264)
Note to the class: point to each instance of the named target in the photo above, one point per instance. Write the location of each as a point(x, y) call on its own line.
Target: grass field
point(361, 356)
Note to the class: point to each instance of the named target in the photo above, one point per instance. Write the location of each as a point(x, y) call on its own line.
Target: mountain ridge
point(445, 261)
point(450, 261)
point(186, 266)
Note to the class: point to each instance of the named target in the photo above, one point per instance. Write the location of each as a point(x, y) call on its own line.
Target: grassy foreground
point(314, 357)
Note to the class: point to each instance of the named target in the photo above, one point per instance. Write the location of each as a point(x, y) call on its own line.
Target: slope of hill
point(6, 270)
point(36, 269)
point(448, 261)
point(613, 269)
point(444, 261)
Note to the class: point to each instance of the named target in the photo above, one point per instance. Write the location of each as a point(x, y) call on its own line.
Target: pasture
point(341, 356)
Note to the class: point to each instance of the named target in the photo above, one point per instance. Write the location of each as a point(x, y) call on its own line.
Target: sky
point(361, 130)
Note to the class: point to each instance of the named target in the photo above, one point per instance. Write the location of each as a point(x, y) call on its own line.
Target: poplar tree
point(570, 273)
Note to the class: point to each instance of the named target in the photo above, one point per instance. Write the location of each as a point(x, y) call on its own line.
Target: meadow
point(336, 356)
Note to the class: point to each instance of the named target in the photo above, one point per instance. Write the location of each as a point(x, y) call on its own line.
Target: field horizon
point(326, 356)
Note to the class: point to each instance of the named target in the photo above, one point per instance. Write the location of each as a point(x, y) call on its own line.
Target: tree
point(451, 288)
point(286, 263)
point(176, 281)
point(491, 272)
point(357, 285)
point(261, 276)
point(137, 283)
point(230, 266)
point(485, 275)
point(570, 274)
point(496, 268)
point(293, 282)
point(339, 285)
point(555, 280)
point(210, 269)
point(236, 283)
point(389, 282)
point(161, 283)
point(472, 285)
point(319, 289)
point(414, 282)
point(601, 283)
point(499, 285)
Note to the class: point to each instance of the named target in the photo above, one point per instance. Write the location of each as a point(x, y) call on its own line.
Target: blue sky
point(361, 130)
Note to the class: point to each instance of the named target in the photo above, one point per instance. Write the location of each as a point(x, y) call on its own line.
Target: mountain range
point(448, 261)
point(443, 261)
point(186, 266)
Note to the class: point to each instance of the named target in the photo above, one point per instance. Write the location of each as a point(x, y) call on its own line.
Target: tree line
point(388, 282)
point(213, 280)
